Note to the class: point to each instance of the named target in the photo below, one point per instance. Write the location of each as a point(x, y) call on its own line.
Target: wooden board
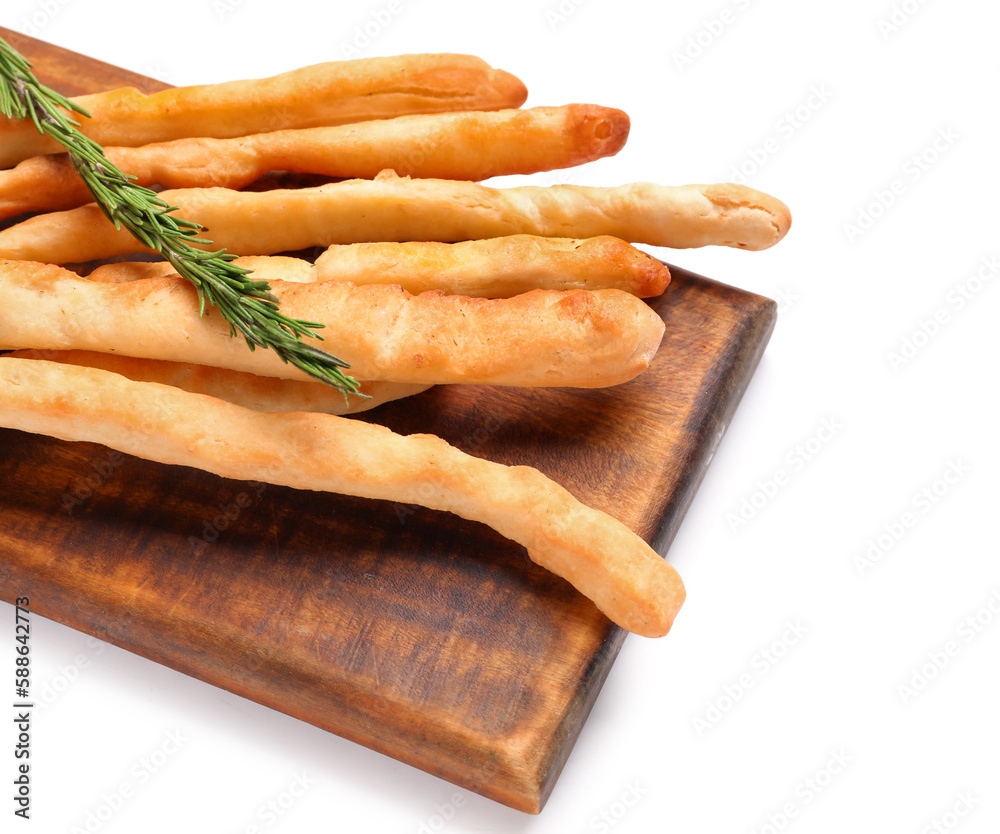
point(415, 633)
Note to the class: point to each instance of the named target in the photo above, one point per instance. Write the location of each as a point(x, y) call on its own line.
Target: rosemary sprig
point(246, 304)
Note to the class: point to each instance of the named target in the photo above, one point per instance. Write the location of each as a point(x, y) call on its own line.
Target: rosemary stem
point(247, 304)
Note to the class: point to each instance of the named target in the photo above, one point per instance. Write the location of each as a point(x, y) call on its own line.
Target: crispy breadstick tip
point(599, 131)
point(733, 198)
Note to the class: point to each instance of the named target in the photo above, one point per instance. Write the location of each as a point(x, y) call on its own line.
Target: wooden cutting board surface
point(416, 633)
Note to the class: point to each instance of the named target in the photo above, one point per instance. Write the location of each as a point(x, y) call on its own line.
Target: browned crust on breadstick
point(265, 268)
point(498, 267)
point(260, 393)
point(118, 272)
point(494, 268)
point(401, 209)
point(331, 93)
point(542, 338)
point(462, 146)
point(599, 555)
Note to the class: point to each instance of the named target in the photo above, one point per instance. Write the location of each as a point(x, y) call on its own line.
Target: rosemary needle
point(248, 305)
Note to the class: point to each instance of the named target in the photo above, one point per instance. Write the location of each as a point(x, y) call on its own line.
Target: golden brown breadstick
point(261, 393)
point(597, 554)
point(332, 93)
point(118, 272)
point(462, 146)
point(542, 338)
point(498, 267)
point(265, 268)
point(400, 209)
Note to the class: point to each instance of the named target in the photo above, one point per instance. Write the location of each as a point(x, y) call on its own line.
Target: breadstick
point(462, 146)
point(580, 338)
point(260, 393)
point(265, 268)
point(598, 555)
point(118, 272)
point(393, 208)
point(498, 267)
point(331, 93)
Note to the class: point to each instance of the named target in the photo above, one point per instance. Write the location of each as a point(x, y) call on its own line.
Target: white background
point(776, 702)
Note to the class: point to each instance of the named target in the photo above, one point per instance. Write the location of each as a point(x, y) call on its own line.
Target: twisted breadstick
point(331, 93)
point(597, 554)
point(498, 267)
point(542, 338)
point(261, 393)
point(393, 208)
point(462, 146)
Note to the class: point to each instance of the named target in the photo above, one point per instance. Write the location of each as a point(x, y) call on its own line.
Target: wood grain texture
point(415, 633)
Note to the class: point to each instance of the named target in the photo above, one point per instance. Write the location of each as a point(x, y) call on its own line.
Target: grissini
point(472, 145)
point(331, 93)
point(579, 338)
point(493, 268)
point(598, 555)
point(498, 267)
point(394, 208)
point(265, 268)
point(260, 393)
